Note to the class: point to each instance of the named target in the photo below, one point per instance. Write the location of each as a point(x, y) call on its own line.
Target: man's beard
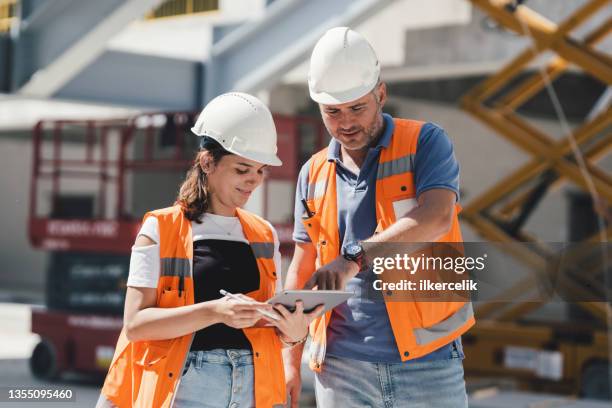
point(372, 132)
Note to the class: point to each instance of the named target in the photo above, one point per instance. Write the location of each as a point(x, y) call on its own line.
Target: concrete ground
point(16, 345)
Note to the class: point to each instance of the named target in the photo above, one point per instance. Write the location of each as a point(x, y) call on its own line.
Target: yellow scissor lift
point(499, 213)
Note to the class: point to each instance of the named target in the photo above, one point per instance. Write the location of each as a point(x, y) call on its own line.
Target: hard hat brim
point(263, 158)
point(338, 98)
point(269, 159)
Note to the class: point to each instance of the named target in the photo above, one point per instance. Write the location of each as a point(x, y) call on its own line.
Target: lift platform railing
point(8, 14)
point(88, 176)
point(500, 213)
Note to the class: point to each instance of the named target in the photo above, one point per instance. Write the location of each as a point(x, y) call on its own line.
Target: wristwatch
point(353, 251)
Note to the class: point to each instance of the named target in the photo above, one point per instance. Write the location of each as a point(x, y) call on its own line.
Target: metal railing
point(172, 8)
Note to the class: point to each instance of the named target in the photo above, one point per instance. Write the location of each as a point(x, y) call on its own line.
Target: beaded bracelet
point(293, 343)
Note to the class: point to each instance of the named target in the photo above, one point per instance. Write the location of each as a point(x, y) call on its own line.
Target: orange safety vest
point(147, 373)
point(418, 327)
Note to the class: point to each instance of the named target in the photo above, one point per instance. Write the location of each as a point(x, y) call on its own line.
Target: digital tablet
point(311, 298)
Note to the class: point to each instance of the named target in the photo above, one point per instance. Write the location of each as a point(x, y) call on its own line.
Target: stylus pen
point(238, 298)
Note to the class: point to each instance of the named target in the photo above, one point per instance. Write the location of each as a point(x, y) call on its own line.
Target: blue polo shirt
point(360, 328)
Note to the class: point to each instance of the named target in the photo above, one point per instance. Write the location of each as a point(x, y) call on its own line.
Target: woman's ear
point(206, 162)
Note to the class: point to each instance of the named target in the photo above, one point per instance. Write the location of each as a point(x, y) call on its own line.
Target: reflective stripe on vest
point(175, 267)
point(316, 190)
point(432, 333)
point(394, 167)
point(394, 184)
point(126, 386)
point(264, 250)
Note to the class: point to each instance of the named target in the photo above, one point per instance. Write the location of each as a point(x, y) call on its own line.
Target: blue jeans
point(217, 378)
point(351, 383)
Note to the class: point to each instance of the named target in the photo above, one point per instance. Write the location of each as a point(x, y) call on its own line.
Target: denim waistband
point(231, 357)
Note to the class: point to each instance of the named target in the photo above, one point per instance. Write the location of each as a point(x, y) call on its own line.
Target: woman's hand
point(239, 314)
point(293, 327)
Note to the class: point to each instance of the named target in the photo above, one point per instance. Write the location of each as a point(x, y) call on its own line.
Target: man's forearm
point(302, 266)
point(292, 356)
point(421, 225)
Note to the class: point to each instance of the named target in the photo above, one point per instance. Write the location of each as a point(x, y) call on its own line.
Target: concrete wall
point(21, 267)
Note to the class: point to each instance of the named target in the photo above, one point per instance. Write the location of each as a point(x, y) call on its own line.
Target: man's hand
point(334, 275)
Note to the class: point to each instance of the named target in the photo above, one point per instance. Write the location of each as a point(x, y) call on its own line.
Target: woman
point(183, 344)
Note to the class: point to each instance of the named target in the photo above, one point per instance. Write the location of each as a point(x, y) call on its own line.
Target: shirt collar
point(333, 151)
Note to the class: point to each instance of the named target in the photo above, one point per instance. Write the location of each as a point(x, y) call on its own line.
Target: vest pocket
point(154, 352)
point(151, 376)
point(312, 225)
point(170, 294)
point(433, 313)
point(170, 298)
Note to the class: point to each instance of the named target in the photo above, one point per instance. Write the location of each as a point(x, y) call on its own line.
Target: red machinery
point(91, 183)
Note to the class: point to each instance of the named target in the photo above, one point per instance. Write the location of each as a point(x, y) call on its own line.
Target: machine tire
point(43, 363)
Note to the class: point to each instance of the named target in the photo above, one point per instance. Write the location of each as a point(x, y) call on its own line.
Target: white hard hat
point(343, 67)
point(242, 124)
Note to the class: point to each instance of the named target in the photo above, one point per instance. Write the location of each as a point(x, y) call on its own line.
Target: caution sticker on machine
point(543, 363)
point(83, 228)
point(95, 322)
point(104, 356)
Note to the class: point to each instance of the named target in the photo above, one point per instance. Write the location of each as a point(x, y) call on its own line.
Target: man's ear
point(382, 94)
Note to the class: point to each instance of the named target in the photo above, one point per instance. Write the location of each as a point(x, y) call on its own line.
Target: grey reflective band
point(401, 165)
point(445, 327)
point(316, 190)
point(175, 267)
point(263, 249)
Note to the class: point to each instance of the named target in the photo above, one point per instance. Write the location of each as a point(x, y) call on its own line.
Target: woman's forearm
point(155, 323)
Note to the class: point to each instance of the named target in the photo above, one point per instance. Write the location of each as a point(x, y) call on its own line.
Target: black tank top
point(229, 265)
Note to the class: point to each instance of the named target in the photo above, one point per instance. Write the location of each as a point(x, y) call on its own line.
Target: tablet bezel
point(311, 298)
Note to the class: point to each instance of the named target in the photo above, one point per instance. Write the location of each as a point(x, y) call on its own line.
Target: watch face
point(353, 249)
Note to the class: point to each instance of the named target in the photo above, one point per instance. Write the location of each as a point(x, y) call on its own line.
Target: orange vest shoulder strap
point(256, 228)
point(318, 162)
point(172, 224)
point(404, 141)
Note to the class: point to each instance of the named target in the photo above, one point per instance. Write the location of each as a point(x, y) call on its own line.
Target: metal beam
point(522, 134)
point(60, 38)
point(141, 81)
point(554, 69)
point(255, 55)
point(548, 35)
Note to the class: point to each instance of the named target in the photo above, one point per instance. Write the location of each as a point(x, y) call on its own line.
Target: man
point(381, 180)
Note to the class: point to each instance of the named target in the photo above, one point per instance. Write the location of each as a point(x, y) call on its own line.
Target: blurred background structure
point(96, 99)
